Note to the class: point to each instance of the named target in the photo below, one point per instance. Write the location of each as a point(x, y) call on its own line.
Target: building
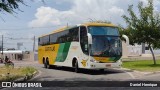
point(137, 50)
point(17, 55)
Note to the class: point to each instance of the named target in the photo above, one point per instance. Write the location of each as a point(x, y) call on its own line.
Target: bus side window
point(76, 34)
point(84, 39)
point(53, 38)
point(46, 40)
point(39, 43)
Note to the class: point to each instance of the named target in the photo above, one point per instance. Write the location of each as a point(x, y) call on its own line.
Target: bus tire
point(45, 64)
point(76, 67)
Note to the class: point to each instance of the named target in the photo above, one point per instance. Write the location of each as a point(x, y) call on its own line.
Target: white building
point(137, 50)
point(17, 55)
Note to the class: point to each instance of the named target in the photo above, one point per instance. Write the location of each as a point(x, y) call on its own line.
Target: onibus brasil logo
point(17, 84)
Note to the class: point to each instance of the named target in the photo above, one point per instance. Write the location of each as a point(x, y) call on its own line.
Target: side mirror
point(89, 38)
point(127, 39)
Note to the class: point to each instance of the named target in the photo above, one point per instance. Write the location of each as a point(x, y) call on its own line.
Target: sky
point(37, 18)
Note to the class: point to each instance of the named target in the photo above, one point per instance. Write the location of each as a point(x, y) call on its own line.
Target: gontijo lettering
point(50, 48)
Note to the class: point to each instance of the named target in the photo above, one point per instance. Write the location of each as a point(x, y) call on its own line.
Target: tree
point(144, 27)
point(9, 5)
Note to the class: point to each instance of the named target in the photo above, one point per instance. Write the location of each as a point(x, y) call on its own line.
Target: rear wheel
point(45, 64)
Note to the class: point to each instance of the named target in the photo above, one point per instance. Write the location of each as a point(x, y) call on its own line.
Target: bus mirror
point(127, 39)
point(89, 38)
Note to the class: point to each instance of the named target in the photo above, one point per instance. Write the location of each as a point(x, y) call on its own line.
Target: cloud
point(44, 16)
point(82, 11)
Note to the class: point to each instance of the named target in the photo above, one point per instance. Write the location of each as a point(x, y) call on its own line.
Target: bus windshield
point(103, 30)
point(106, 42)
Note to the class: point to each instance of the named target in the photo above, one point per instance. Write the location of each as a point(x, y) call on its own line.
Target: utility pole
point(34, 39)
point(67, 24)
point(2, 47)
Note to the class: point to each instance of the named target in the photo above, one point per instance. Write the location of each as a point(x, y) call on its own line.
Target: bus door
point(84, 45)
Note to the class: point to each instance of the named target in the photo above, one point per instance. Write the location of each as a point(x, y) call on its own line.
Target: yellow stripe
point(102, 59)
point(49, 51)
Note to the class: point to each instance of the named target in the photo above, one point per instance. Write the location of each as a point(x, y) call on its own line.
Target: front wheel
point(76, 67)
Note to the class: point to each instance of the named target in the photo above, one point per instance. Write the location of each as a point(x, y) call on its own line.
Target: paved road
point(68, 74)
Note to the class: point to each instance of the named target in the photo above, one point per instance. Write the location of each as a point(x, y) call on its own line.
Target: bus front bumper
point(94, 65)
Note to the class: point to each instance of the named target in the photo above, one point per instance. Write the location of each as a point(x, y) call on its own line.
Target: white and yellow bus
point(88, 46)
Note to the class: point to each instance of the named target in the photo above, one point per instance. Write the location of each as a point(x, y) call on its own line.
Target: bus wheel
point(45, 64)
point(76, 67)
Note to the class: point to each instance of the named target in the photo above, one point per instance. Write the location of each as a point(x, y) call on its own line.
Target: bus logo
point(50, 48)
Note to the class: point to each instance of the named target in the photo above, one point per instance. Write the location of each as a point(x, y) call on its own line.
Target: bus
point(83, 46)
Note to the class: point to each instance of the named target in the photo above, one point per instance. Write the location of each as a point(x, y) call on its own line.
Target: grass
point(142, 65)
point(10, 74)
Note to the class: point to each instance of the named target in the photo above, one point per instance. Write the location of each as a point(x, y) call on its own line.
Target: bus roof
point(98, 24)
point(85, 24)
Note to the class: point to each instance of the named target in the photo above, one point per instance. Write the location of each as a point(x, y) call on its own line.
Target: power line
point(21, 38)
point(24, 28)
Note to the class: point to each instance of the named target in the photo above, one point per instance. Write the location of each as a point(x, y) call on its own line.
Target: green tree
point(10, 5)
point(144, 27)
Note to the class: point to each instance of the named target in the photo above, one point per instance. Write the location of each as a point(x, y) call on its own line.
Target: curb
point(26, 78)
point(150, 73)
point(141, 72)
point(36, 75)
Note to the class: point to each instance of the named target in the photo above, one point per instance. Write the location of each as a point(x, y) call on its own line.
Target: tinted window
point(39, 41)
point(103, 30)
point(44, 40)
point(73, 33)
point(84, 39)
point(53, 38)
point(61, 37)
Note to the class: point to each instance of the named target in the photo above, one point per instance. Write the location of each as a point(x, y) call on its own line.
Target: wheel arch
point(43, 60)
point(47, 60)
point(74, 61)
